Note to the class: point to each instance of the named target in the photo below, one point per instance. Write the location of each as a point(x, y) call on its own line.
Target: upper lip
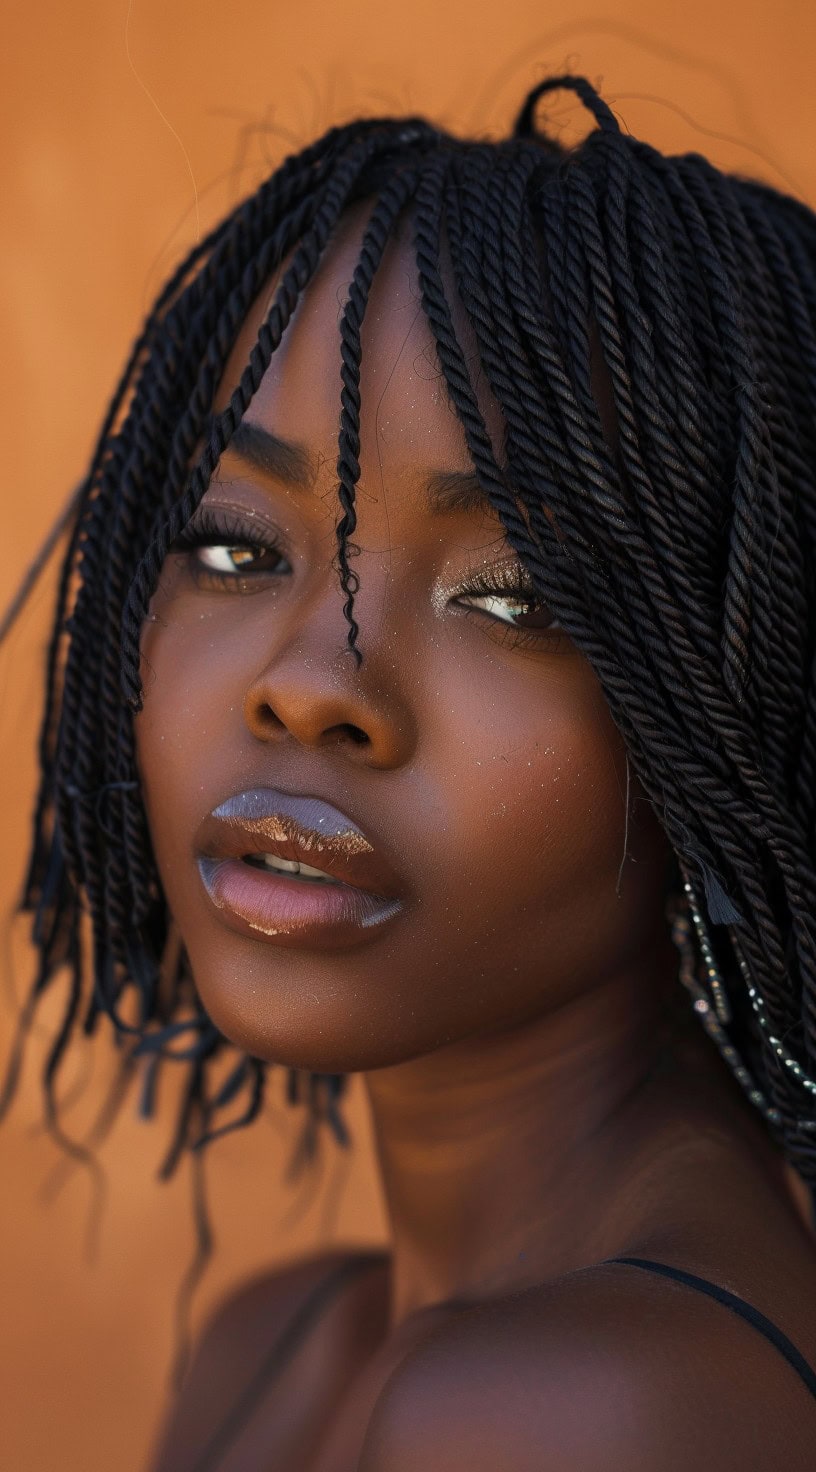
point(306, 830)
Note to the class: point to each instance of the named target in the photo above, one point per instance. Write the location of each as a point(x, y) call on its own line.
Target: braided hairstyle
point(681, 559)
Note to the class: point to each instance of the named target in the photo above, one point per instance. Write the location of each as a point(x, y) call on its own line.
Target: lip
point(287, 911)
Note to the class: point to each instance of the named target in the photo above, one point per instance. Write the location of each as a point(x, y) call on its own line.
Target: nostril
point(305, 725)
point(348, 732)
point(267, 718)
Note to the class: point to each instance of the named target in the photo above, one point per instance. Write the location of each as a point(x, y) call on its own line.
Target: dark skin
point(541, 1095)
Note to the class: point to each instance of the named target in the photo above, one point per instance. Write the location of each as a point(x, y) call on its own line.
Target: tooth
point(288, 865)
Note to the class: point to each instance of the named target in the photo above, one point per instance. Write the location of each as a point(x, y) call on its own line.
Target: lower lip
point(293, 912)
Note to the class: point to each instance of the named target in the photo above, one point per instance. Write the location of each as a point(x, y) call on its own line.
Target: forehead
point(408, 427)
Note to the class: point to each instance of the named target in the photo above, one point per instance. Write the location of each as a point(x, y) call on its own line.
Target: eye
point(241, 558)
point(520, 612)
point(227, 551)
point(510, 602)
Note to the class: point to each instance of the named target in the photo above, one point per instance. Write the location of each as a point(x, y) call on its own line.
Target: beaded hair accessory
point(699, 970)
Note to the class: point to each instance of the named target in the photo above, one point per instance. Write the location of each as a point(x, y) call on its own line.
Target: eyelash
point(512, 583)
point(215, 527)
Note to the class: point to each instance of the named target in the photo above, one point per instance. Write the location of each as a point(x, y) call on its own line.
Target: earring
point(784, 1054)
point(716, 1017)
point(714, 1012)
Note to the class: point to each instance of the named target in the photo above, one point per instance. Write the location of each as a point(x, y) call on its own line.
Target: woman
point(471, 747)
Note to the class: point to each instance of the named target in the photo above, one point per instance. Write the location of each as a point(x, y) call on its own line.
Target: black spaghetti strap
point(738, 1306)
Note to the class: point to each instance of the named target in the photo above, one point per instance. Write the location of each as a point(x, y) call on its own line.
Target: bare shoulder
point(259, 1304)
point(267, 1315)
point(596, 1372)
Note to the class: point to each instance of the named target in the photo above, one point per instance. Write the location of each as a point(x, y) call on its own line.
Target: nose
point(310, 691)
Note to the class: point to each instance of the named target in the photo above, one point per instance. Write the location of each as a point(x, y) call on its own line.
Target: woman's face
point(474, 779)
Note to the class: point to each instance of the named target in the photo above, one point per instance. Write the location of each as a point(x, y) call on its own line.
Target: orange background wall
point(124, 130)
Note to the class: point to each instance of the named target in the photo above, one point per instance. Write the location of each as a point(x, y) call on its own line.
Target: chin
point(297, 1025)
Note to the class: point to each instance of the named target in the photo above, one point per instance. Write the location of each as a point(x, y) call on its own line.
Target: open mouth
point(290, 868)
point(253, 858)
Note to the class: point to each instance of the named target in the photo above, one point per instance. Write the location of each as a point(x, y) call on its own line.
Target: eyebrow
point(446, 491)
point(268, 453)
point(455, 490)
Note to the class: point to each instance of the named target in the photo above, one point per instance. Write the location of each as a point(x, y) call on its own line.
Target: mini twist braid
point(375, 238)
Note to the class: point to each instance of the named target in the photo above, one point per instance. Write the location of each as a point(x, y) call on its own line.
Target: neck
point(500, 1155)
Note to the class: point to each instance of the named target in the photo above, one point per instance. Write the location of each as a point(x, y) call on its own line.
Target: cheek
point(190, 735)
point(536, 792)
